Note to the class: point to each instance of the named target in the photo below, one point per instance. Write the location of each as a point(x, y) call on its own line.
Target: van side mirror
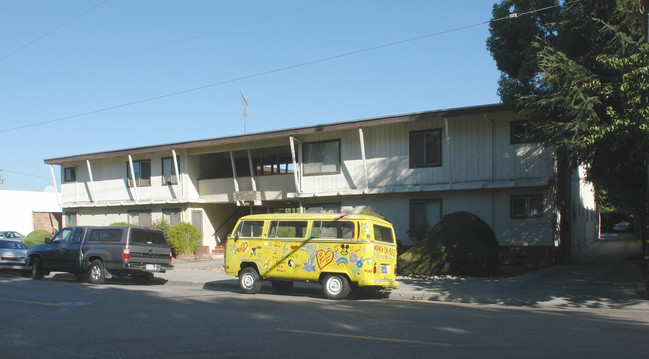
point(48, 240)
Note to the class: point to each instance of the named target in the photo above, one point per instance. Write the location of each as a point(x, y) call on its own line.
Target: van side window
point(333, 229)
point(288, 229)
point(106, 235)
point(383, 234)
point(249, 229)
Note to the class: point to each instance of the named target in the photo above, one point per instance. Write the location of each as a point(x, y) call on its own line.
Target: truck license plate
point(154, 267)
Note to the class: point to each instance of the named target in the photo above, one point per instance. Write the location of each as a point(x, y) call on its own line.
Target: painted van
point(337, 250)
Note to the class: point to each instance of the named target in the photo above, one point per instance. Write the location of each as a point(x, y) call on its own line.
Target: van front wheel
point(335, 286)
point(249, 280)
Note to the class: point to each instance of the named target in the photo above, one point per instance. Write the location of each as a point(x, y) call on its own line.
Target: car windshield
point(12, 235)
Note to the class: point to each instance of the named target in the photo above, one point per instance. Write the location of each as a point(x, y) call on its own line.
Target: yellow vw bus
point(337, 250)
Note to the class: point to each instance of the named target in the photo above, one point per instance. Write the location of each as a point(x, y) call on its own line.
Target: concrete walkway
point(606, 274)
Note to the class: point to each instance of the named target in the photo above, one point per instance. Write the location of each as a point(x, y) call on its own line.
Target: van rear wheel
point(335, 286)
point(249, 280)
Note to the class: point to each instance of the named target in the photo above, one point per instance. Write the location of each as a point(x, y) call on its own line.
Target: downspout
point(130, 163)
point(493, 172)
point(56, 190)
point(448, 150)
point(362, 141)
point(296, 169)
point(180, 186)
point(234, 175)
point(92, 182)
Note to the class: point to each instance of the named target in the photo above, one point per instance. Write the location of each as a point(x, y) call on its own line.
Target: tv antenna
point(245, 111)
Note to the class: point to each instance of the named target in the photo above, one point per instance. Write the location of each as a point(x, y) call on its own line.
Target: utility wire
point(164, 45)
point(51, 31)
point(23, 174)
point(280, 69)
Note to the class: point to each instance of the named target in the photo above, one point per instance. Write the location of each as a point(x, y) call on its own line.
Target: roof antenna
point(245, 113)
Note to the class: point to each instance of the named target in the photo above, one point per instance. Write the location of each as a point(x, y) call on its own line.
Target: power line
point(119, 57)
point(23, 174)
point(280, 69)
point(51, 31)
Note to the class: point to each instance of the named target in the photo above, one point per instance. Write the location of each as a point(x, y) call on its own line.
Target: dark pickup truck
point(97, 253)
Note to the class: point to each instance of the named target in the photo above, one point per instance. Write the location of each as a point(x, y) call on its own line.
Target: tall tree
point(580, 70)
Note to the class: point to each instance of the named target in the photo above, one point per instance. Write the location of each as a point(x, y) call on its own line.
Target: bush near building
point(36, 237)
point(183, 238)
point(460, 244)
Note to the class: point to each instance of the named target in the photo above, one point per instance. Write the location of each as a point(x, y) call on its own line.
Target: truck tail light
point(126, 253)
point(170, 256)
point(375, 269)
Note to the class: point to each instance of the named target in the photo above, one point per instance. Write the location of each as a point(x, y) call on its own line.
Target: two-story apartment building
point(411, 168)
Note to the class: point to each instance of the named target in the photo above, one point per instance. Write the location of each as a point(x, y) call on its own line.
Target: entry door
point(197, 220)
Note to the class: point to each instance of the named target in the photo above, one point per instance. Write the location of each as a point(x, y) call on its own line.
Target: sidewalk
point(606, 274)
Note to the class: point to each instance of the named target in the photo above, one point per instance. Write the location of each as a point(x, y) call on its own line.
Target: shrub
point(184, 238)
point(378, 215)
point(36, 237)
point(120, 224)
point(460, 244)
point(162, 224)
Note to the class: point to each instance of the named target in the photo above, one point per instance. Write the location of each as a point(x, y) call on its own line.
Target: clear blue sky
point(82, 76)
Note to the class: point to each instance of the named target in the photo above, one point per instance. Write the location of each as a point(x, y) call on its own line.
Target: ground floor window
point(424, 214)
point(322, 208)
point(171, 216)
point(140, 218)
point(70, 218)
point(526, 206)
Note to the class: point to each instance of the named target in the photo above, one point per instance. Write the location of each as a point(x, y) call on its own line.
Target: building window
point(321, 157)
point(426, 148)
point(171, 216)
point(168, 170)
point(140, 218)
point(70, 218)
point(272, 160)
point(142, 169)
point(519, 132)
point(322, 208)
point(528, 206)
point(424, 214)
point(69, 174)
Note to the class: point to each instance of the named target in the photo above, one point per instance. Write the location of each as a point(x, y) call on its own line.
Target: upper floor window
point(519, 132)
point(321, 157)
point(526, 206)
point(168, 170)
point(69, 174)
point(142, 173)
point(426, 148)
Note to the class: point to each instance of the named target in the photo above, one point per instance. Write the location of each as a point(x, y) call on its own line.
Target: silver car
point(12, 236)
point(12, 255)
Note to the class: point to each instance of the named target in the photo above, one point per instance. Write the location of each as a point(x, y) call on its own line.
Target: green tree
point(579, 70)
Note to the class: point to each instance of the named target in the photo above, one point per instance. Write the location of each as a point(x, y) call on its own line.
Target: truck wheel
point(335, 286)
point(96, 273)
point(249, 280)
point(37, 268)
point(281, 285)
